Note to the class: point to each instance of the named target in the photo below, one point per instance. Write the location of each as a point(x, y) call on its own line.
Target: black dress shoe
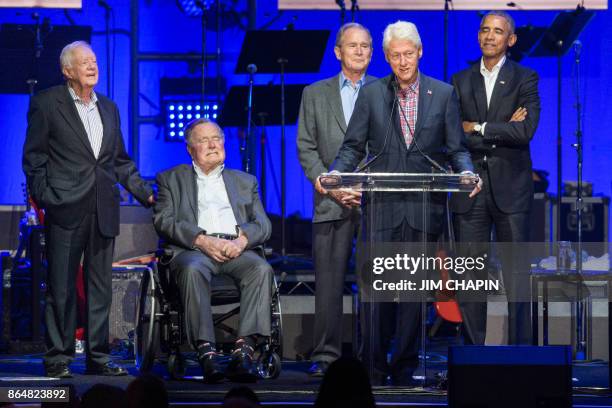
point(318, 368)
point(109, 369)
point(211, 372)
point(58, 370)
point(241, 368)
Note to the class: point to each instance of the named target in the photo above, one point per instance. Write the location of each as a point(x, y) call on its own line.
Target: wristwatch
point(477, 128)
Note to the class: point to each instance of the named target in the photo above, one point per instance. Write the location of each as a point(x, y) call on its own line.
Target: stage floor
point(293, 387)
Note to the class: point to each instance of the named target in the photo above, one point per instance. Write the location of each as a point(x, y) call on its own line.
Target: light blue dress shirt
point(348, 95)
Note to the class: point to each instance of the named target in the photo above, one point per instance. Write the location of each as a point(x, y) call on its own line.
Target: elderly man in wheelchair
point(212, 221)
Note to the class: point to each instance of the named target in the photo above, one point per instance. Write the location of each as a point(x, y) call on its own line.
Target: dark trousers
point(473, 229)
point(252, 274)
point(383, 322)
point(64, 250)
point(332, 248)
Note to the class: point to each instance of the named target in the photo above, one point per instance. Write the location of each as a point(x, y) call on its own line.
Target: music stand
point(265, 105)
point(556, 41)
point(527, 39)
point(280, 52)
point(27, 62)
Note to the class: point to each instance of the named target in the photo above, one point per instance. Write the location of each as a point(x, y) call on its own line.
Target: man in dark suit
point(407, 121)
point(500, 109)
point(212, 220)
point(73, 158)
point(325, 111)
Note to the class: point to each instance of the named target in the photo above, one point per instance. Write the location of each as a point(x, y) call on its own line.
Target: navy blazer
point(62, 173)
point(438, 132)
point(506, 144)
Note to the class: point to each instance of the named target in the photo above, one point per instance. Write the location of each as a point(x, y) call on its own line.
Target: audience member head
point(346, 384)
point(104, 396)
point(147, 391)
point(240, 397)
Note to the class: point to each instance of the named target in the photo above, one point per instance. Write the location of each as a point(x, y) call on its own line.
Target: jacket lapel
point(480, 93)
point(502, 84)
point(332, 94)
point(107, 124)
point(192, 192)
point(70, 114)
point(424, 102)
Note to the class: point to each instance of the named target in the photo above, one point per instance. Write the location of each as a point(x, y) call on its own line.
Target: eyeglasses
point(408, 55)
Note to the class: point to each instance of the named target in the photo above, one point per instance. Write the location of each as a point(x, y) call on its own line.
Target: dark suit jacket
point(506, 144)
point(438, 133)
point(175, 213)
point(62, 173)
point(321, 130)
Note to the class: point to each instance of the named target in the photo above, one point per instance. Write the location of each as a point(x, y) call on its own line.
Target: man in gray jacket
point(325, 112)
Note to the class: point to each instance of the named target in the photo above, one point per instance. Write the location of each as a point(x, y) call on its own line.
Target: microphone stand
point(580, 305)
point(107, 16)
point(245, 148)
point(354, 9)
point(446, 13)
point(342, 6)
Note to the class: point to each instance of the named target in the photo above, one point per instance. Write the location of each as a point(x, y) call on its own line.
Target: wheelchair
point(159, 322)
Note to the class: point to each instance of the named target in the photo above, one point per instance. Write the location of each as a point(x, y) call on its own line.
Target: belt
point(223, 236)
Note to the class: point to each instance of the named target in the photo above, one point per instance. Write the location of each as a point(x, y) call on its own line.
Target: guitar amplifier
point(126, 289)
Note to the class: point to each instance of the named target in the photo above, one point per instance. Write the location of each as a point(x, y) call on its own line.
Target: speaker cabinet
point(510, 377)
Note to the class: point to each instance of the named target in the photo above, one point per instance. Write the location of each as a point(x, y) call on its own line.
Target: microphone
point(251, 68)
point(368, 162)
point(104, 4)
point(577, 49)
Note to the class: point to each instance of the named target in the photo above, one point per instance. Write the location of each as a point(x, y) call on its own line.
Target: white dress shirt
point(490, 77)
point(215, 214)
point(90, 116)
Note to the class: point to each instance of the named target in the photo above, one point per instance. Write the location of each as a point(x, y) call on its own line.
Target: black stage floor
point(293, 388)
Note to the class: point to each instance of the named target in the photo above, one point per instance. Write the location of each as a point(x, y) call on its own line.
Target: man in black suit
point(73, 158)
point(212, 220)
point(500, 109)
point(406, 120)
point(325, 111)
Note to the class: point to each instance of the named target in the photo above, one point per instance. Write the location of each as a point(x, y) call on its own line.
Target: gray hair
point(345, 28)
point(191, 126)
point(501, 14)
point(66, 55)
point(401, 30)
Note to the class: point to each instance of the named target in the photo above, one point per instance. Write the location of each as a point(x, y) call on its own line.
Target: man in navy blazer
point(500, 109)
point(409, 123)
point(74, 158)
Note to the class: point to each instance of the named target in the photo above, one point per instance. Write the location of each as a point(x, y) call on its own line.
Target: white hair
point(66, 55)
point(401, 30)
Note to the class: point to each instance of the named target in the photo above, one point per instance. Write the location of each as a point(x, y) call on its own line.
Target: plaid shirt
point(408, 101)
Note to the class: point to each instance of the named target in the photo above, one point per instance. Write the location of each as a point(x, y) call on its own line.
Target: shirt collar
point(495, 69)
point(344, 81)
point(75, 97)
point(412, 88)
point(216, 173)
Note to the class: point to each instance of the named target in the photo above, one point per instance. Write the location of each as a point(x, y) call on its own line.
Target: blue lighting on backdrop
point(179, 113)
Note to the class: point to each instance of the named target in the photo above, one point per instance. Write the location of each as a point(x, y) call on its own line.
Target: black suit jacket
point(62, 173)
point(506, 144)
point(176, 210)
point(438, 133)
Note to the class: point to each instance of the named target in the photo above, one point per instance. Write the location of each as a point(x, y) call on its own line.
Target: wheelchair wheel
point(269, 365)
point(146, 335)
point(177, 365)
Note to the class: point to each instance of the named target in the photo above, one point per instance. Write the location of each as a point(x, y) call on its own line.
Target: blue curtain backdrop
point(163, 28)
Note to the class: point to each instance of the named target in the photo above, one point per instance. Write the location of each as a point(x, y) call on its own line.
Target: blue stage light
point(180, 107)
point(171, 116)
point(198, 116)
point(172, 125)
point(214, 116)
point(180, 124)
point(171, 107)
point(181, 134)
point(172, 134)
